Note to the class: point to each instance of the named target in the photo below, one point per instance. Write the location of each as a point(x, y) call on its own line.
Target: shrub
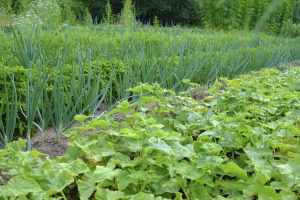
point(290, 30)
point(5, 6)
point(108, 17)
point(127, 18)
point(265, 15)
point(87, 17)
point(68, 11)
point(44, 13)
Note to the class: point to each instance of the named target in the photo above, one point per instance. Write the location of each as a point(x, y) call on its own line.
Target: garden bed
point(241, 141)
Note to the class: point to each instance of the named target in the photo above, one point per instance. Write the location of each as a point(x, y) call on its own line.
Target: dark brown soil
point(48, 143)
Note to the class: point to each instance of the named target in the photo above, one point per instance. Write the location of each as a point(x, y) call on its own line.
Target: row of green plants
point(55, 78)
point(142, 43)
point(37, 98)
point(237, 140)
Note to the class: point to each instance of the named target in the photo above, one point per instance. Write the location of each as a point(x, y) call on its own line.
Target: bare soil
point(48, 143)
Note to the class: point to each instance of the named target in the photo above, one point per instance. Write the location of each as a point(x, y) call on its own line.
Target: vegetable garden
point(62, 73)
point(237, 140)
point(120, 110)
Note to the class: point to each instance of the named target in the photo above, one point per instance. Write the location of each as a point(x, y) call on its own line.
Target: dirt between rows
point(48, 143)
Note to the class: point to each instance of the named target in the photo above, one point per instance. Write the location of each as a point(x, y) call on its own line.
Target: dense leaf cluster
point(237, 140)
point(228, 14)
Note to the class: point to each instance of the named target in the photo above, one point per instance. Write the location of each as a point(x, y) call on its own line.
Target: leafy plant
point(34, 90)
point(27, 49)
point(84, 95)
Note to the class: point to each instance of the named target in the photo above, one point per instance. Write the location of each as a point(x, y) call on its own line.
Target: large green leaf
point(54, 181)
point(106, 194)
point(103, 173)
point(123, 180)
point(233, 169)
point(86, 187)
point(21, 185)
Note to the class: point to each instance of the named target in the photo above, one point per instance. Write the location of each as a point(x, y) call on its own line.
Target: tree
point(108, 17)
point(128, 14)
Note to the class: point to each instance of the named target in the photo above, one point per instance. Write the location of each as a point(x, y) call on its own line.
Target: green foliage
point(290, 30)
point(8, 111)
point(34, 91)
point(27, 50)
point(6, 5)
point(296, 17)
point(48, 99)
point(266, 15)
point(68, 11)
point(123, 59)
point(87, 18)
point(127, 18)
point(108, 17)
point(184, 12)
point(275, 14)
point(48, 12)
point(20, 6)
point(156, 22)
point(240, 141)
point(263, 15)
point(5, 19)
point(44, 13)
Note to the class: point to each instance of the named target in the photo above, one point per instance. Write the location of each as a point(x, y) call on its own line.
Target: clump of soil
point(198, 93)
point(48, 143)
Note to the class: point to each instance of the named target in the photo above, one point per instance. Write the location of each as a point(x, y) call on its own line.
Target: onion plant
point(34, 91)
point(8, 112)
point(27, 49)
point(80, 93)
